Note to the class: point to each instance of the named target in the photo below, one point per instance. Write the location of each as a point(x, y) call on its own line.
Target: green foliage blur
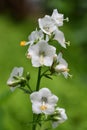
point(15, 108)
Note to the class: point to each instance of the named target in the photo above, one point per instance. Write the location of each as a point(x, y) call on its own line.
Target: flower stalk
point(43, 53)
point(38, 79)
point(34, 123)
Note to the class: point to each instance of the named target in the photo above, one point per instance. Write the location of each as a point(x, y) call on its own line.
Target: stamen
point(23, 43)
point(66, 19)
point(68, 43)
point(43, 107)
point(70, 75)
point(41, 59)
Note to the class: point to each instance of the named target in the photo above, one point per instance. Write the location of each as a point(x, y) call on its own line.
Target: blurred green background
point(17, 19)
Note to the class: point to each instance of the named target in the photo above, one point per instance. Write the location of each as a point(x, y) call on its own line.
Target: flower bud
point(28, 76)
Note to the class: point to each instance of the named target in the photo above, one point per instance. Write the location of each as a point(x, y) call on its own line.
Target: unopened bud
point(56, 118)
point(13, 83)
point(28, 76)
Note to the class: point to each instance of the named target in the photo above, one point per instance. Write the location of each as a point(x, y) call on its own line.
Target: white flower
point(17, 71)
point(41, 54)
point(47, 24)
point(57, 17)
point(62, 66)
point(60, 117)
point(43, 101)
point(35, 36)
point(59, 36)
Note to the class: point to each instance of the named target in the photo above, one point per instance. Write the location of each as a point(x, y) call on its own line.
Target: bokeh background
point(17, 19)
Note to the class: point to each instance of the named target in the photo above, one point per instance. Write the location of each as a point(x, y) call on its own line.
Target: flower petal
point(35, 97)
point(61, 60)
point(52, 99)
point(36, 108)
point(59, 36)
point(50, 110)
point(45, 92)
point(35, 36)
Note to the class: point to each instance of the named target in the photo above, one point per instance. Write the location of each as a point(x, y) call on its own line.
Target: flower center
point(43, 106)
point(48, 29)
point(41, 59)
point(42, 54)
point(44, 99)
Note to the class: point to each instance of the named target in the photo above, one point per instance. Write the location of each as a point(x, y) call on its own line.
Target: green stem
point(29, 87)
point(37, 88)
point(38, 79)
point(34, 125)
point(44, 73)
point(26, 91)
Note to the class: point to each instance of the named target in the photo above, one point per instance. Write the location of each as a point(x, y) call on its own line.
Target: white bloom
point(35, 36)
point(41, 54)
point(62, 66)
point(60, 117)
point(59, 36)
point(57, 17)
point(17, 71)
point(43, 101)
point(47, 24)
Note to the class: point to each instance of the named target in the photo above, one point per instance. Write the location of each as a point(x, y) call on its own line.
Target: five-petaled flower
point(57, 17)
point(41, 54)
point(35, 36)
point(12, 81)
point(47, 24)
point(43, 101)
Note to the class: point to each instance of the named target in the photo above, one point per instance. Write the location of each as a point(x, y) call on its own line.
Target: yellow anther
point(23, 43)
point(43, 107)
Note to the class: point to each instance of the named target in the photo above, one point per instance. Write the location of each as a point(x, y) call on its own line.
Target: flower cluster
point(43, 53)
point(40, 51)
